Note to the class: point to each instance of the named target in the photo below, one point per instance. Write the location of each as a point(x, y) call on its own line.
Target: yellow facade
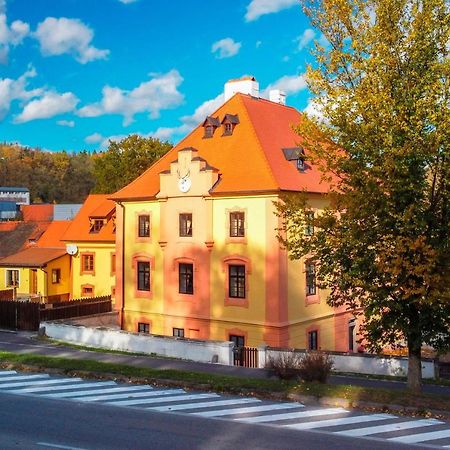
point(101, 280)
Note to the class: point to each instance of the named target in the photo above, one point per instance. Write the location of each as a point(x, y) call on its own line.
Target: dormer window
point(228, 124)
point(96, 226)
point(296, 155)
point(210, 124)
point(209, 131)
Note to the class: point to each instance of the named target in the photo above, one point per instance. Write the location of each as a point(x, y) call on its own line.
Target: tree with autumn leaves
point(381, 138)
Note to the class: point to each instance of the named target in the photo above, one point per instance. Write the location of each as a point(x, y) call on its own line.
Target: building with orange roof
point(90, 240)
point(40, 269)
point(196, 240)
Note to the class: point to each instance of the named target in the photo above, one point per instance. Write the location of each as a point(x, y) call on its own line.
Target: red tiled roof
point(20, 237)
point(54, 233)
point(80, 226)
point(250, 160)
point(37, 213)
point(32, 257)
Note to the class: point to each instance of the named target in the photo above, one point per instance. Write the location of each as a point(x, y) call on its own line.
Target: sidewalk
point(25, 342)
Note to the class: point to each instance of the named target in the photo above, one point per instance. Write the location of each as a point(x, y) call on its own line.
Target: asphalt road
point(39, 423)
point(24, 342)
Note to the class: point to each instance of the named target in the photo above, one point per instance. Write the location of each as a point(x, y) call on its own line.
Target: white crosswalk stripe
point(294, 415)
point(48, 382)
point(211, 404)
point(128, 394)
point(367, 431)
point(250, 409)
point(95, 389)
point(62, 387)
point(4, 373)
point(421, 437)
point(167, 399)
point(340, 421)
point(22, 378)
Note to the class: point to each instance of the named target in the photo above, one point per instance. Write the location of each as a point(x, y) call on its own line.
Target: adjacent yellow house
point(196, 240)
point(90, 241)
point(41, 271)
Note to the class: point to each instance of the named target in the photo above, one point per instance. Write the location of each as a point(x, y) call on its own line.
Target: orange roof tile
point(250, 160)
point(32, 257)
point(94, 205)
point(53, 234)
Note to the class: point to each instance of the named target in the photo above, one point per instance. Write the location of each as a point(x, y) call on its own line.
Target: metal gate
point(245, 356)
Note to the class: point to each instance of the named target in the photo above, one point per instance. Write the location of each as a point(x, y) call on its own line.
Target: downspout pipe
point(123, 266)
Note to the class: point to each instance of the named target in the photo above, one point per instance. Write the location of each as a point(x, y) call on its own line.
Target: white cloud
point(72, 36)
point(10, 35)
point(306, 38)
point(188, 123)
point(11, 90)
point(258, 8)
point(93, 138)
point(66, 123)
point(225, 48)
point(161, 92)
point(48, 105)
point(290, 84)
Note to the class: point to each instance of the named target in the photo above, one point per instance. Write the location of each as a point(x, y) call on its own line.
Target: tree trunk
point(414, 365)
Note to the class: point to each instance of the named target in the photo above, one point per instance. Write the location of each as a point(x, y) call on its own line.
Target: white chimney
point(277, 96)
point(245, 85)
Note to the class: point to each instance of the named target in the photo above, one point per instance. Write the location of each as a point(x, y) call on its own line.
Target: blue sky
point(75, 73)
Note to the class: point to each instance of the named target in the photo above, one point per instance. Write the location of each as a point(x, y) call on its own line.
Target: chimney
point(277, 96)
point(244, 85)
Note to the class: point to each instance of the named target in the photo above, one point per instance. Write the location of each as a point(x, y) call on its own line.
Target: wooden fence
point(245, 356)
point(27, 315)
point(7, 294)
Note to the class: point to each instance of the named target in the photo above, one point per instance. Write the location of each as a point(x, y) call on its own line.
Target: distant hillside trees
point(68, 177)
point(123, 161)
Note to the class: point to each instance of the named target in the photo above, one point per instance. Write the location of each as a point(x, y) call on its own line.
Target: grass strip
point(264, 388)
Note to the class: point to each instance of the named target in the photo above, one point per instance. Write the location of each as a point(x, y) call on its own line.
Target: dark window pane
point(143, 276)
point(144, 226)
point(178, 332)
point(185, 225)
point(238, 341)
point(310, 279)
point(236, 279)
point(186, 278)
point(312, 340)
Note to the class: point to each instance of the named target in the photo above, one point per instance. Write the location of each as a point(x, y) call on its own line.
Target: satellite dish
point(71, 249)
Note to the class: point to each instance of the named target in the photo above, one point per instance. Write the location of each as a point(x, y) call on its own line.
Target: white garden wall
point(362, 363)
point(107, 338)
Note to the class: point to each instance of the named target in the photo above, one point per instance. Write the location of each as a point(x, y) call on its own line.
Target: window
point(309, 224)
point(143, 327)
point(312, 340)
point(143, 276)
point(87, 290)
point(185, 225)
point(185, 278)
point(178, 332)
point(310, 279)
point(300, 164)
point(96, 226)
point(209, 131)
point(236, 281)
point(237, 224)
point(87, 263)
point(144, 226)
point(227, 129)
point(12, 277)
point(239, 341)
point(351, 335)
point(56, 276)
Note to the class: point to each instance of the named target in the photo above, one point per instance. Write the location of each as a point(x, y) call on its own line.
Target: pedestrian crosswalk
point(290, 415)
